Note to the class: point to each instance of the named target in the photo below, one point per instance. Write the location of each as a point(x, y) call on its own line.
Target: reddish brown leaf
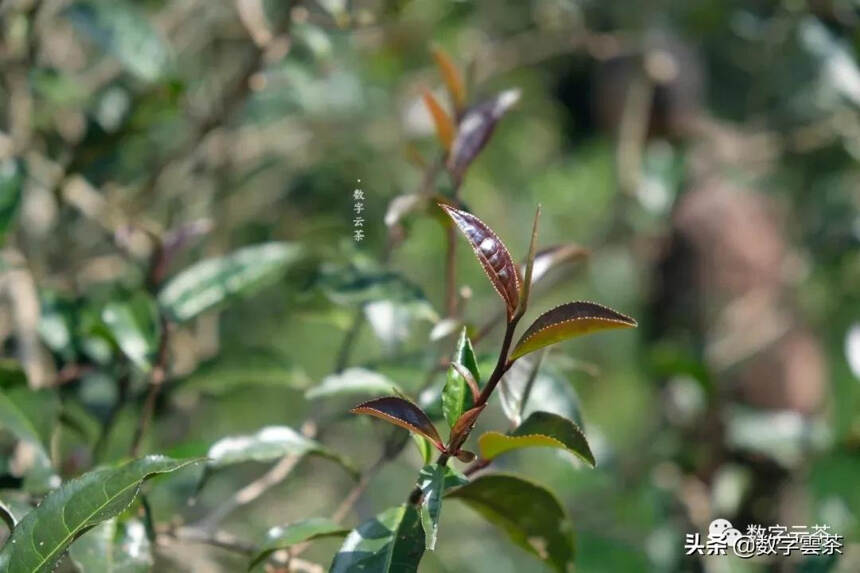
point(475, 129)
point(492, 254)
point(452, 78)
point(403, 413)
point(465, 424)
point(465, 456)
point(445, 128)
point(566, 321)
point(469, 378)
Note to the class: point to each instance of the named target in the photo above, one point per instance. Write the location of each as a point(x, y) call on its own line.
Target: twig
point(156, 380)
point(349, 341)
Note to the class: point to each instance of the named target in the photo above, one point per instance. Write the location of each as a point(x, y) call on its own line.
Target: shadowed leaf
point(456, 395)
point(305, 530)
point(391, 542)
point(44, 534)
point(452, 78)
point(403, 413)
point(466, 422)
point(445, 128)
point(475, 129)
point(530, 515)
point(541, 429)
point(433, 481)
point(567, 321)
point(492, 254)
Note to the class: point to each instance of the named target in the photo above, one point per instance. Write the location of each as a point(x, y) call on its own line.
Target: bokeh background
point(705, 152)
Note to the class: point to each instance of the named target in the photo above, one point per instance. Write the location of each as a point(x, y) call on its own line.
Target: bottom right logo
point(722, 537)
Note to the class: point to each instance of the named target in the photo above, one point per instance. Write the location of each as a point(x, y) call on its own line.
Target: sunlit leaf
point(403, 413)
point(492, 254)
point(113, 547)
point(211, 282)
point(351, 382)
point(391, 542)
point(552, 257)
point(541, 429)
point(452, 77)
point(456, 395)
point(530, 515)
point(465, 423)
point(133, 323)
point(44, 534)
point(425, 449)
point(40, 474)
point(567, 321)
point(433, 481)
point(475, 128)
point(11, 181)
point(305, 530)
point(445, 128)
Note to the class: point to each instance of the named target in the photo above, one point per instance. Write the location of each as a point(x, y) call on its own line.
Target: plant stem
point(349, 341)
point(156, 380)
point(502, 364)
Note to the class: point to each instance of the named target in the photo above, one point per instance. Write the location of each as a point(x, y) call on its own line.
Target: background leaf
point(134, 325)
point(530, 515)
point(113, 547)
point(45, 533)
point(305, 530)
point(211, 282)
point(456, 395)
point(475, 129)
point(391, 542)
point(11, 182)
point(352, 381)
point(40, 474)
point(541, 429)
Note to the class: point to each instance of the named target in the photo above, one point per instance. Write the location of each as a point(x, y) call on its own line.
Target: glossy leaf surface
point(568, 321)
point(305, 530)
point(475, 129)
point(45, 533)
point(492, 254)
point(391, 542)
point(211, 282)
point(403, 413)
point(351, 382)
point(541, 429)
point(530, 515)
point(433, 481)
point(456, 395)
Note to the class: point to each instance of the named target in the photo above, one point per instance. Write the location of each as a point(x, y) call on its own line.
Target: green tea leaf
point(352, 381)
point(567, 321)
point(433, 481)
point(492, 254)
point(425, 449)
point(305, 530)
point(211, 282)
point(236, 369)
point(391, 542)
point(403, 413)
point(45, 533)
point(541, 429)
point(40, 474)
point(11, 182)
point(134, 326)
point(530, 515)
point(456, 396)
point(113, 547)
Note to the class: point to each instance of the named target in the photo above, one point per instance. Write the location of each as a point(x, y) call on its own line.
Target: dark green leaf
point(113, 547)
point(541, 429)
point(40, 474)
point(213, 281)
point(530, 515)
point(433, 481)
point(45, 533)
point(456, 396)
point(305, 530)
point(391, 542)
point(567, 321)
point(11, 181)
point(403, 413)
point(352, 381)
point(492, 254)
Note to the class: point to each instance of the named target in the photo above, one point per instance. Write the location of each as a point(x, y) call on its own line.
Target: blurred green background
point(705, 152)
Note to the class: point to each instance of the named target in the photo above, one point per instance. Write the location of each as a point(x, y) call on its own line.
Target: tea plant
point(99, 518)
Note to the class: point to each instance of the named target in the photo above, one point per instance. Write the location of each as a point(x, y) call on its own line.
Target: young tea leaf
point(43, 535)
point(433, 481)
point(492, 254)
point(391, 542)
point(278, 538)
point(456, 395)
point(445, 128)
point(475, 129)
point(403, 413)
point(567, 321)
point(530, 515)
point(541, 429)
point(465, 424)
point(452, 78)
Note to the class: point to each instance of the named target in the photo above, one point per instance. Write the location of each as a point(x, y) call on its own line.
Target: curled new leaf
point(492, 254)
point(550, 257)
point(461, 386)
point(452, 78)
point(403, 413)
point(465, 424)
point(445, 128)
point(475, 130)
point(567, 321)
point(541, 429)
